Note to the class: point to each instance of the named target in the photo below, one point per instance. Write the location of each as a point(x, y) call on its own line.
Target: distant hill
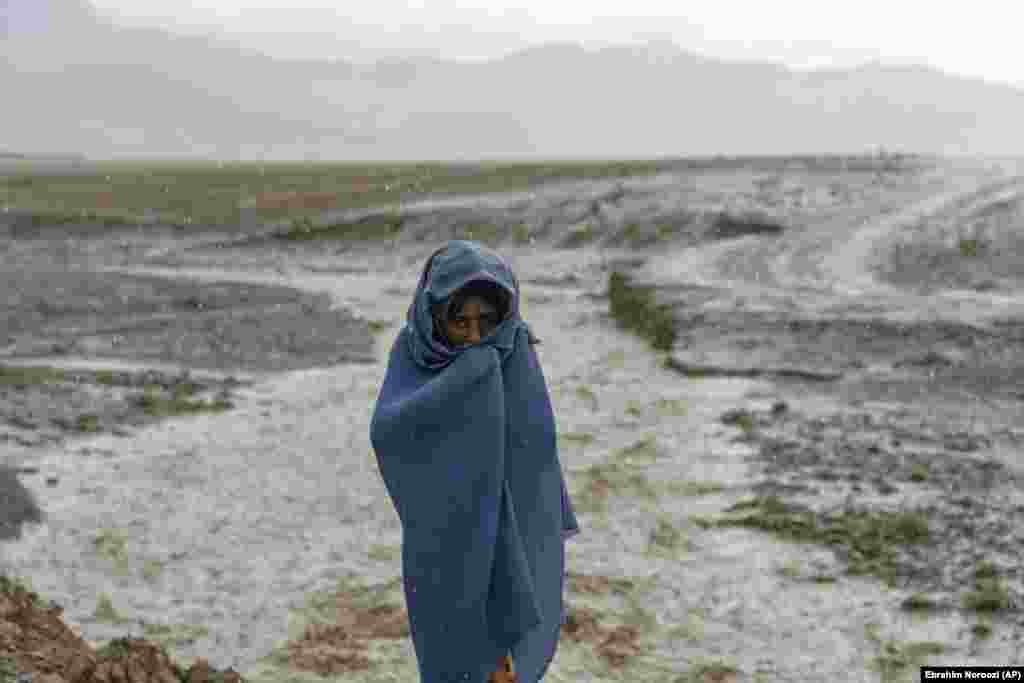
point(72, 81)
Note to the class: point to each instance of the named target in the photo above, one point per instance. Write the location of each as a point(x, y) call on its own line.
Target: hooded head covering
point(465, 442)
point(450, 268)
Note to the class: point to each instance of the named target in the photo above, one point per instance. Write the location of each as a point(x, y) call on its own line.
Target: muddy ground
point(172, 338)
point(818, 479)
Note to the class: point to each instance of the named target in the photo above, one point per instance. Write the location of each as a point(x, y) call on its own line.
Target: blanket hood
point(450, 268)
point(466, 445)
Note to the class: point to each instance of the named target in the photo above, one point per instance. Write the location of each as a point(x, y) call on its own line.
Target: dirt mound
point(34, 639)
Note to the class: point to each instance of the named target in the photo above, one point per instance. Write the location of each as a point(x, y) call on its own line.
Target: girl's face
point(477, 319)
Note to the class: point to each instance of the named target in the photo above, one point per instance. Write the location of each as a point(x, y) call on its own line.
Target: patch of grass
point(218, 193)
point(602, 480)
point(14, 375)
point(666, 538)
point(105, 611)
point(151, 569)
point(896, 660)
point(692, 489)
point(578, 235)
point(664, 231)
point(968, 247)
point(918, 602)
point(122, 647)
point(918, 471)
point(704, 521)
point(633, 408)
point(378, 326)
point(111, 543)
point(615, 359)
point(175, 634)
point(17, 584)
point(793, 570)
point(645, 621)
point(635, 309)
point(521, 233)
point(985, 570)
point(114, 649)
point(581, 439)
point(741, 419)
point(989, 593)
point(384, 553)
point(870, 538)
point(8, 669)
point(692, 629)
point(184, 390)
point(645, 449)
point(640, 235)
point(633, 233)
point(981, 630)
point(155, 405)
point(671, 407)
point(105, 377)
point(585, 393)
point(713, 669)
point(790, 570)
point(110, 219)
point(88, 423)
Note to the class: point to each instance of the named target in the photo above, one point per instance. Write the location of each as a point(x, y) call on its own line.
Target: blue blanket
point(465, 442)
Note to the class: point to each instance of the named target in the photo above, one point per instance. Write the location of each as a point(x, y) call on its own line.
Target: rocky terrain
point(788, 403)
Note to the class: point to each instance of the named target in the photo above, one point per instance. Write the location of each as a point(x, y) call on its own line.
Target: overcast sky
point(981, 38)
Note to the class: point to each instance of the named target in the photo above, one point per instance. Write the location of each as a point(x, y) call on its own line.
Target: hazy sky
point(980, 38)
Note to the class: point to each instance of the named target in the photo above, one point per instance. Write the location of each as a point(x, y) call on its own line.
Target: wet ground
point(810, 392)
point(171, 343)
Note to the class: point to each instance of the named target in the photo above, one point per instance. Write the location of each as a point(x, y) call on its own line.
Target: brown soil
point(616, 645)
point(35, 639)
point(341, 646)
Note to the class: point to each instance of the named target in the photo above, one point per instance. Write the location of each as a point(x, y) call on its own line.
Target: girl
point(464, 437)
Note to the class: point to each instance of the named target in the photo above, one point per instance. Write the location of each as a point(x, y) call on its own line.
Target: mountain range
point(71, 81)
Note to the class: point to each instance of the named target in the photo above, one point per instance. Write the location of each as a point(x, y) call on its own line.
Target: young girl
point(464, 437)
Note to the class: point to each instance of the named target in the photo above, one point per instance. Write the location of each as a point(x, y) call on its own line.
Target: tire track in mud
point(832, 265)
point(819, 275)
